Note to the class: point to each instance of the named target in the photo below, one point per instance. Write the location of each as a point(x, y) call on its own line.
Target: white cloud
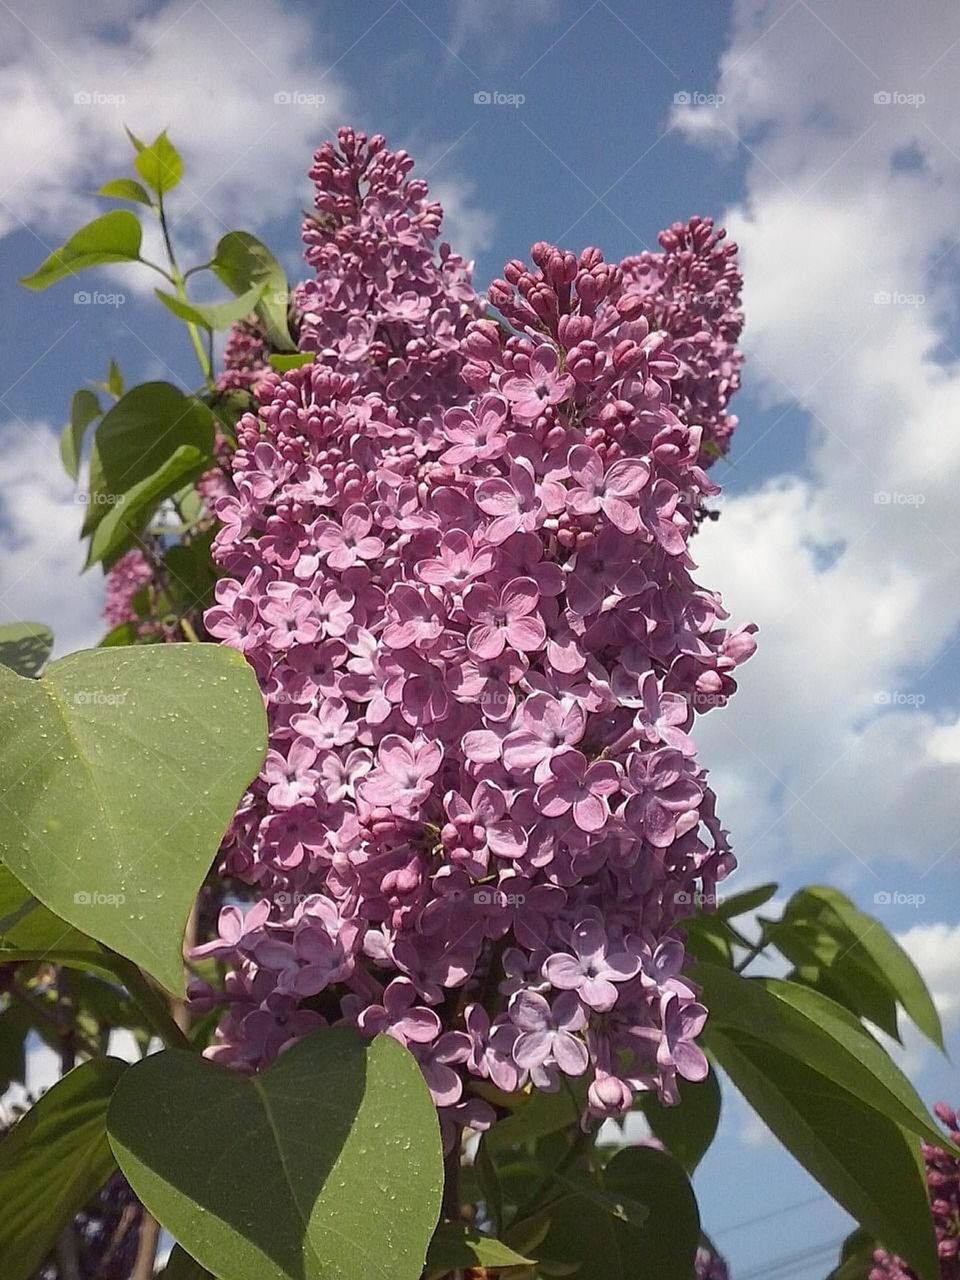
point(40, 567)
point(207, 73)
point(494, 24)
point(246, 90)
point(852, 568)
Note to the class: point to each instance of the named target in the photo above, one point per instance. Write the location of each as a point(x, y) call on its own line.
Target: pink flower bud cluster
point(123, 581)
point(461, 575)
point(246, 356)
point(943, 1181)
point(692, 290)
point(384, 305)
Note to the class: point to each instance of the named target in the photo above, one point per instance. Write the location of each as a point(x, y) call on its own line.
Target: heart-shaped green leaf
point(326, 1164)
point(52, 1161)
point(119, 772)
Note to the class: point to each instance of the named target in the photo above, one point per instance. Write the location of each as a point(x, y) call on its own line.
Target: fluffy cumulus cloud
point(240, 88)
point(247, 90)
point(848, 227)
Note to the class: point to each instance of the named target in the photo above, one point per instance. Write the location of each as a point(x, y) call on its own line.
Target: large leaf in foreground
point(53, 1160)
point(861, 1158)
point(119, 772)
point(327, 1164)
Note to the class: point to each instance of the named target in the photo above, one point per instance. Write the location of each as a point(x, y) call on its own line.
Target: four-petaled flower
point(575, 784)
point(606, 491)
point(593, 968)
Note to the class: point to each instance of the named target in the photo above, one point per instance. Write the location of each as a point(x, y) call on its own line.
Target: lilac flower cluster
point(124, 580)
point(692, 290)
point(943, 1181)
point(384, 306)
point(246, 356)
point(457, 560)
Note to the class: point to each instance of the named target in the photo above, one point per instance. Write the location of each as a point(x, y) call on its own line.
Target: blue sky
point(839, 760)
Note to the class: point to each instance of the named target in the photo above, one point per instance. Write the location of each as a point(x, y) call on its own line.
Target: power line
point(765, 1217)
point(789, 1264)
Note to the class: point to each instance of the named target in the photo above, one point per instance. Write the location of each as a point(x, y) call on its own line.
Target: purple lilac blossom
point(692, 290)
point(943, 1181)
point(449, 543)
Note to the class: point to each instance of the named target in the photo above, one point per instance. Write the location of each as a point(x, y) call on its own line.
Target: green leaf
point(120, 770)
point(84, 408)
point(159, 165)
point(14, 1029)
point(538, 1115)
point(26, 925)
point(125, 189)
point(114, 237)
point(741, 903)
point(342, 1174)
point(25, 647)
point(114, 383)
point(180, 1266)
point(876, 951)
point(709, 938)
point(52, 1161)
point(190, 573)
point(137, 436)
point(825, 961)
point(128, 514)
point(667, 1244)
point(455, 1247)
point(243, 262)
point(582, 1235)
point(688, 1129)
point(490, 1187)
point(818, 1032)
point(136, 458)
point(865, 1161)
point(282, 364)
point(215, 315)
point(856, 1257)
